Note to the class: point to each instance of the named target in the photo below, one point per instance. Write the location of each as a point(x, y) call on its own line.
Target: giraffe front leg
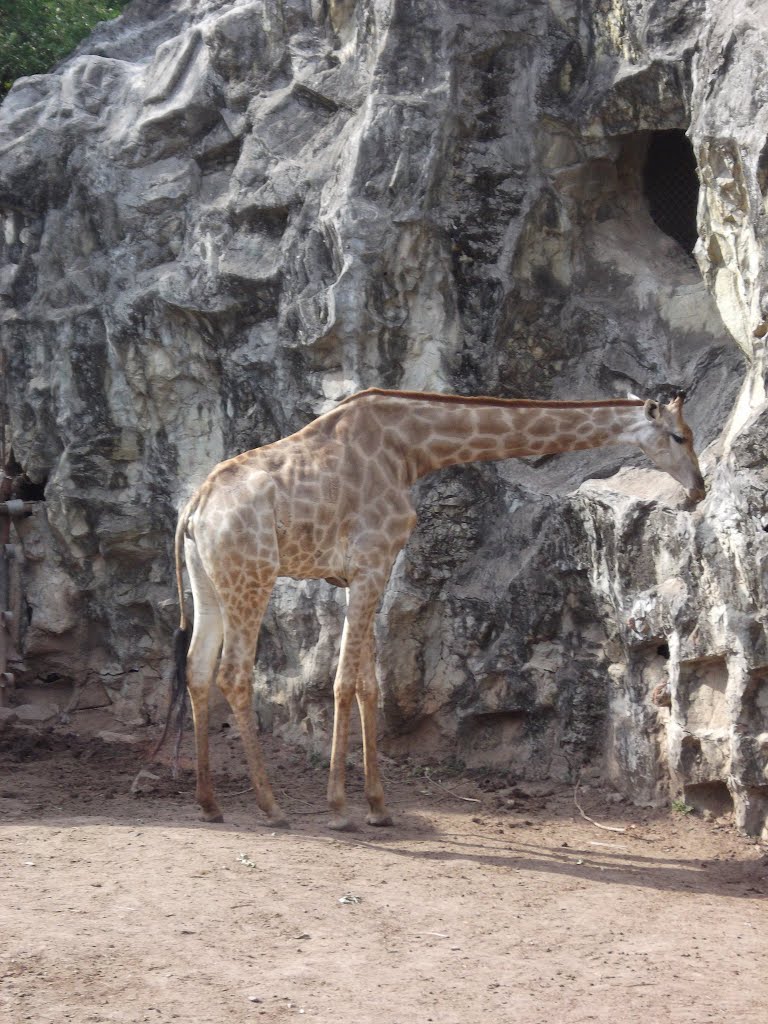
point(374, 790)
point(356, 655)
point(337, 798)
point(368, 704)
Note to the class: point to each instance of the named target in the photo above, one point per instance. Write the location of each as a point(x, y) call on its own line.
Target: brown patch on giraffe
point(368, 437)
point(376, 479)
point(228, 473)
point(466, 453)
point(536, 446)
point(329, 488)
point(565, 441)
point(587, 430)
point(488, 442)
point(542, 426)
point(354, 467)
point(303, 514)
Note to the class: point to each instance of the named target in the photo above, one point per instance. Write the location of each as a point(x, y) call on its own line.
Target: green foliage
point(316, 760)
point(36, 34)
point(682, 807)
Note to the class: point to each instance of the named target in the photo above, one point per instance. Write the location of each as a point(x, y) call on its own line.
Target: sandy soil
point(500, 906)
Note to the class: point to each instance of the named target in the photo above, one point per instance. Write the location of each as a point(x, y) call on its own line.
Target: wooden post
point(10, 602)
point(6, 678)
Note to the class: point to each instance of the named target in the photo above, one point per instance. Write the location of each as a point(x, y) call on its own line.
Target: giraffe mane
point(492, 400)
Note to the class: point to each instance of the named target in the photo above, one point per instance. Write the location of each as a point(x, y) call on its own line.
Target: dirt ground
point(486, 902)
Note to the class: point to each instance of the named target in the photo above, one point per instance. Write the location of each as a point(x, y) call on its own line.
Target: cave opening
point(762, 171)
point(17, 484)
point(713, 796)
point(671, 186)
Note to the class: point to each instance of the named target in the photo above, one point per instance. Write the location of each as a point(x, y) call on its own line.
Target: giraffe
point(332, 501)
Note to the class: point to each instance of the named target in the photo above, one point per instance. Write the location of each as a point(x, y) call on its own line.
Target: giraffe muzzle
point(698, 492)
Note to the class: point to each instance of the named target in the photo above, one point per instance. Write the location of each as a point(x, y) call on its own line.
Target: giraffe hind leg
point(235, 680)
point(203, 654)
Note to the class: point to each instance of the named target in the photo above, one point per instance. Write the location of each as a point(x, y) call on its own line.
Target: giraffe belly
point(311, 561)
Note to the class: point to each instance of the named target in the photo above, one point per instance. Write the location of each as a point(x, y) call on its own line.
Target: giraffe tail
point(177, 706)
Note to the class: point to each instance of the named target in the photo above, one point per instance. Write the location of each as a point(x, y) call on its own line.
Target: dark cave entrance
point(671, 186)
point(18, 484)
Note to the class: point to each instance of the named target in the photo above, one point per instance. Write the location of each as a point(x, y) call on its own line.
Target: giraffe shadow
point(735, 879)
point(52, 782)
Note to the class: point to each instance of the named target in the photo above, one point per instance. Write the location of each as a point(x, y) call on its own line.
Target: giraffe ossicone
point(332, 501)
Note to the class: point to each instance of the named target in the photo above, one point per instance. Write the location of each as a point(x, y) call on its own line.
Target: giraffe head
point(667, 440)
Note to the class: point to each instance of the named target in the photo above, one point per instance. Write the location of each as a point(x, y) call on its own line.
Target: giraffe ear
point(633, 398)
point(652, 409)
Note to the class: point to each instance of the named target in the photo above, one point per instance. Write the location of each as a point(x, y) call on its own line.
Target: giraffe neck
point(435, 431)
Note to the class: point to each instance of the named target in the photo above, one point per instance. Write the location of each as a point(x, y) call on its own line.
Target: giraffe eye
point(678, 438)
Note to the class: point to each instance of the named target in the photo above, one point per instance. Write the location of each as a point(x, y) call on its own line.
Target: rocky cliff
point(221, 217)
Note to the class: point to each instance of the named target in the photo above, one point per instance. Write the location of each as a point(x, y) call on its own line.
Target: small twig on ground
point(291, 799)
point(238, 792)
point(586, 817)
point(294, 812)
point(467, 799)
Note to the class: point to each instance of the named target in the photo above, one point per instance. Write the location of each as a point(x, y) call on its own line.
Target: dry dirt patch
point(496, 907)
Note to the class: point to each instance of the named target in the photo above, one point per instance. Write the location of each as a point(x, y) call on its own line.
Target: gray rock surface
point(221, 217)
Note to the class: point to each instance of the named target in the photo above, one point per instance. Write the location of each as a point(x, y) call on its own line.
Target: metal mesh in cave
point(671, 186)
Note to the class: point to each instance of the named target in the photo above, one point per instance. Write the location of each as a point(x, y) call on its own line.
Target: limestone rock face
point(221, 217)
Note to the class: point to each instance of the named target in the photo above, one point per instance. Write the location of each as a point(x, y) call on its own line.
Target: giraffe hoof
point(342, 824)
point(214, 817)
point(279, 821)
point(380, 820)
